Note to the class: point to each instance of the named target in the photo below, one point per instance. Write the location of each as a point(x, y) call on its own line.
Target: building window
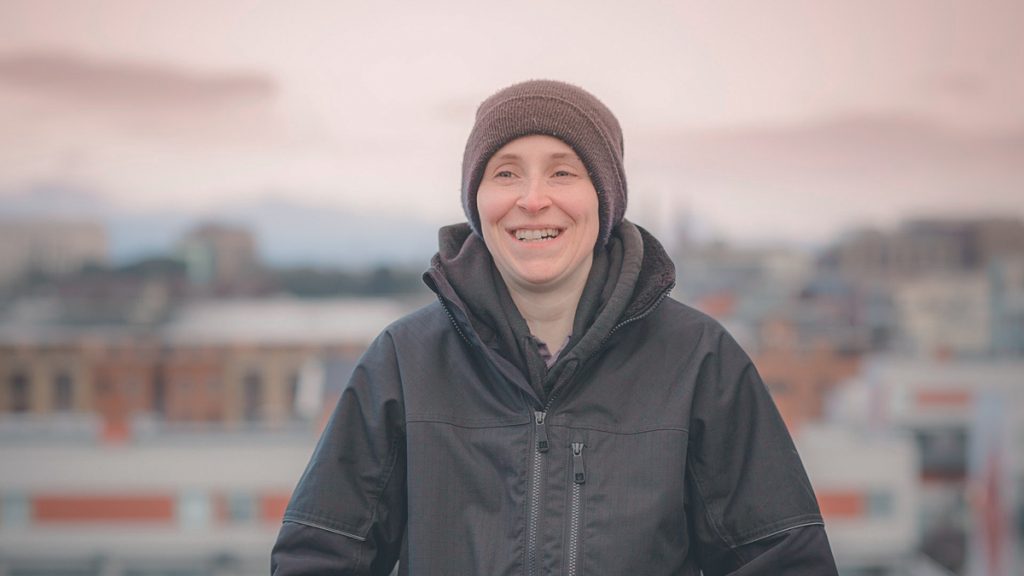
point(134, 391)
point(252, 402)
point(293, 394)
point(943, 452)
point(19, 392)
point(879, 503)
point(63, 392)
point(194, 509)
point(159, 393)
point(241, 507)
point(14, 510)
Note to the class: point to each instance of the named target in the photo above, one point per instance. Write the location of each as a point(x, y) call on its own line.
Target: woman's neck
point(550, 312)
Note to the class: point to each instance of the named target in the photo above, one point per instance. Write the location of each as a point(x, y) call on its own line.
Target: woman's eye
point(562, 173)
point(503, 174)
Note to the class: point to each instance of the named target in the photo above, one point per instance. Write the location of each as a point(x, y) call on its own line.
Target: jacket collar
point(628, 278)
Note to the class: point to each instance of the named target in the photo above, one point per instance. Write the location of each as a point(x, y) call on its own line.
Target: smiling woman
point(539, 219)
point(555, 411)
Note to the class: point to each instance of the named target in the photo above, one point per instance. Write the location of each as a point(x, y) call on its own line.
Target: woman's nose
point(535, 196)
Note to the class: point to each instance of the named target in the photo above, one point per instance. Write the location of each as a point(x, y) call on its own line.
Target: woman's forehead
point(536, 146)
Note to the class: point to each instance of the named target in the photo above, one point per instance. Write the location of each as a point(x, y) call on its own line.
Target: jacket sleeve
point(752, 508)
point(347, 514)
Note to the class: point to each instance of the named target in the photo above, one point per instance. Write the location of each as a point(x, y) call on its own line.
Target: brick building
point(228, 364)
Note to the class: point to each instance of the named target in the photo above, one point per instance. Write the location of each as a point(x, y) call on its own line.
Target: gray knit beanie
point(557, 109)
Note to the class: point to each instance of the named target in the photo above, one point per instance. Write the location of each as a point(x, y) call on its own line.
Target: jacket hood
point(628, 278)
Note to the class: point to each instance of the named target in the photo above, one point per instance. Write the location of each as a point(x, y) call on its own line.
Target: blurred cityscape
point(155, 414)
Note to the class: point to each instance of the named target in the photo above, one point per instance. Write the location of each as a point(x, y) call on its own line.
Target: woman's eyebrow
point(565, 156)
point(556, 156)
point(507, 156)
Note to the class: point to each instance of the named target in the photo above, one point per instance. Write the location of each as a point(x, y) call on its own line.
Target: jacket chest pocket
point(624, 502)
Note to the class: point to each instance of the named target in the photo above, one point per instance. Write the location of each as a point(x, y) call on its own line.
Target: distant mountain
point(53, 200)
point(136, 236)
point(291, 232)
point(288, 233)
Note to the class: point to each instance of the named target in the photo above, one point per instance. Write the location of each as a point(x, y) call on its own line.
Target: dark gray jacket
point(650, 447)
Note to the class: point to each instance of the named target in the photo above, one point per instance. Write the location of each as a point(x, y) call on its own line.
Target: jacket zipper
point(579, 471)
point(540, 433)
point(452, 318)
point(542, 446)
point(579, 478)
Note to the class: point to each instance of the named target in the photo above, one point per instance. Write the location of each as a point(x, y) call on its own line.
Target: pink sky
point(786, 120)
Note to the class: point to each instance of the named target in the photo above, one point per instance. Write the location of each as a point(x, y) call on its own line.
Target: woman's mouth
point(533, 235)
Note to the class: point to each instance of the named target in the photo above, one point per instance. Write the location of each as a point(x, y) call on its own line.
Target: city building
point(169, 448)
point(800, 380)
point(867, 488)
point(196, 504)
point(219, 256)
point(945, 315)
point(227, 363)
point(1006, 276)
point(966, 418)
point(925, 247)
point(49, 248)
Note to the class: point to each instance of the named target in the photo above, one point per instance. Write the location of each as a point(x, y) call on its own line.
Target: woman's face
point(538, 213)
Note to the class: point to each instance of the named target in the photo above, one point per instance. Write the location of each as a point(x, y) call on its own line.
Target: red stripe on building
point(116, 431)
point(141, 508)
point(841, 504)
point(943, 398)
point(272, 507)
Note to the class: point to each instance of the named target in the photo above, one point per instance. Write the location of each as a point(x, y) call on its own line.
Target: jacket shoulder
point(673, 318)
point(424, 322)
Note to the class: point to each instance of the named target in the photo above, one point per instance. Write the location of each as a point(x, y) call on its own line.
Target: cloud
point(835, 146)
point(133, 84)
point(60, 102)
point(804, 182)
point(960, 86)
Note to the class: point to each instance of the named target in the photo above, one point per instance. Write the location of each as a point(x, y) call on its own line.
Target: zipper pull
point(542, 433)
point(579, 472)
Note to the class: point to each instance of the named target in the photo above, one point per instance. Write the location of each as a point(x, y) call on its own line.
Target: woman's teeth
point(531, 235)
